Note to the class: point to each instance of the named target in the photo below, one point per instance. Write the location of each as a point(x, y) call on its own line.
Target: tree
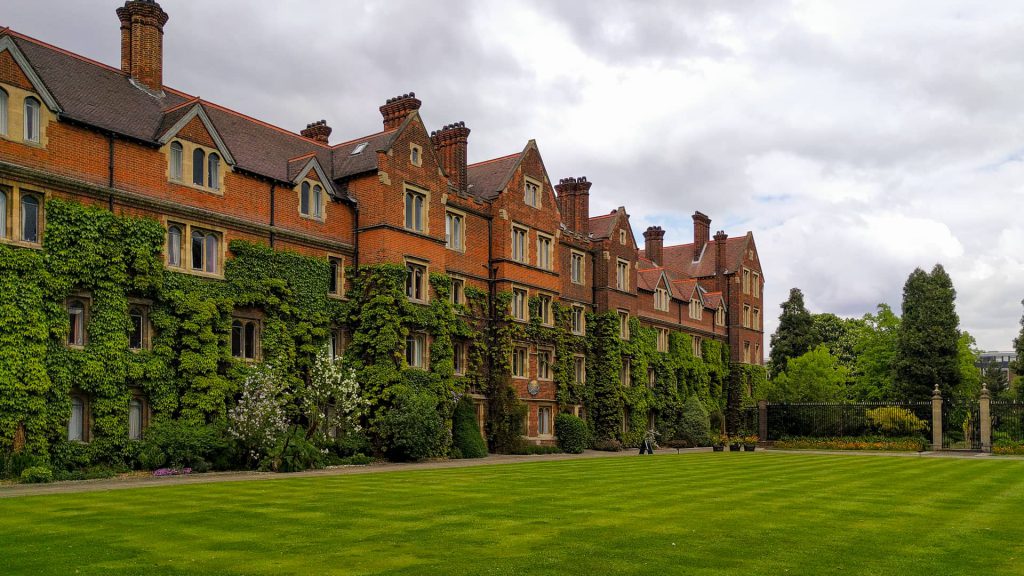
point(994, 378)
point(1017, 366)
point(968, 357)
point(875, 350)
point(839, 334)
point(929, 337)
point(795, 334)
point(816, 376)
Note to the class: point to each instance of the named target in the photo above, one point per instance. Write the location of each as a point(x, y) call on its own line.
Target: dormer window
point(696, 308)
point(311, 200)
point(531, 194)
point(31, 119)
point(176, 160)
point(213, 181)
point(198, 162)
point(661, 299)
point(720, 316)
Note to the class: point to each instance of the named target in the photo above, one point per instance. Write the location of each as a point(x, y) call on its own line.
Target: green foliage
point(795, 335)
point(572, 433)
point(928, 343)
point(694, 426)
point(295, 453)
point(1018, 345)
point(967, 357)
point(466, 439)
point(839, 335)
point(413, 428)
point(875, 349)
point(36, 475)
point(180, 444)
point(895, 421)
point(815, 376)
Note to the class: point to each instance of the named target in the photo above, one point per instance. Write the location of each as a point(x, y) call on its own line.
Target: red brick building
point(117, 137)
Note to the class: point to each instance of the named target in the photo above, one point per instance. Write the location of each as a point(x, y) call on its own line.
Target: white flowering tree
point(331, 401)
point(259, 419)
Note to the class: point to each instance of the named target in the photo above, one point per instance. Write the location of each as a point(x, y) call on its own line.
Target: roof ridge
point(362, 138)
point(303, 157)
point(85, 59)
point(263, 123)
point(505, 157)
point(193, 100)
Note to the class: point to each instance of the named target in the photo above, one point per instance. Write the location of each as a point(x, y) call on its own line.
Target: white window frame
point(418, 353)
point(218, 258)
point(32, 129)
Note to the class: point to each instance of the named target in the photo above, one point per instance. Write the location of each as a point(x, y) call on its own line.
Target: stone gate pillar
point(936, 419)
point(762, 420)
point(985, 417)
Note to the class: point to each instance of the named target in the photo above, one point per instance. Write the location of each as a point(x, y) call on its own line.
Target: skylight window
point(359, 149)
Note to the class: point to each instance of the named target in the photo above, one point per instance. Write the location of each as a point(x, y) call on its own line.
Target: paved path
point(136, 481)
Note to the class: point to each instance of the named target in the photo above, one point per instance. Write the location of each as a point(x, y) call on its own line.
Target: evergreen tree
point(928, 345)
point(795, 335)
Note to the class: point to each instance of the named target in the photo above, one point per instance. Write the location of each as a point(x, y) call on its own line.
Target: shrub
point(89, 473)
point(885, 444)
point(694, 427)
point(609, 445)
point(466, 439)
point(530, 449)
point(357, 460)
point(36, 475)
point(180, 444)
point(571, 432)
point(294, 453)
point(505, 421)
point(258, 420)
point(13, 464)
point(413, 428)
point(717, 421)
point(895, 421)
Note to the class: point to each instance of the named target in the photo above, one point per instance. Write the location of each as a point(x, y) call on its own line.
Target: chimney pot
point(654, 245)
point(574, 203)
point(451, 143)
point(396, 109)
point(142, 42)
point(701, 233)
point(318, 131)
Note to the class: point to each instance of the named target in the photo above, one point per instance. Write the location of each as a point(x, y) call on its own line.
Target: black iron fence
point(1007, 422)
point(835, 420)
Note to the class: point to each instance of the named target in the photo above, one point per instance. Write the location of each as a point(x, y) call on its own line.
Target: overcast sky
point(857, 140)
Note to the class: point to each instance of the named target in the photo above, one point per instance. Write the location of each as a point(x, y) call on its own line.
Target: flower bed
point(172, 471)
point(1008, 447)
point(877, 443)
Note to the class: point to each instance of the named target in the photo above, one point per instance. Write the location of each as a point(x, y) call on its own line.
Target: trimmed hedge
point(572, 433)
point(466, 439)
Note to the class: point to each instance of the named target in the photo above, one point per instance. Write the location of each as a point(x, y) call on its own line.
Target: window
point(3, 213)
point(626, 373)
point(78, 424)
point(698, 346)
point(415, 205)
point(746, 316)
point(622, 275)
point(652, 378)
point(214, 172)
point(415, 155)
point(198, 161)
point(544, 365)
point(544, 309)
point(304, 199)
point(519, 244)
point(30, 218)
point(756, 320)
point(662, 339)
point(245, 339)
point(76, 324)
point(519, 365)
point(519, 304)
point(458, 291)
point(138, 330)
point(720, 316)
point(454, 231)
point(415, 351)
point(579, 369)
point(3, 112)
point(576, 268)
point(696, 308)
point(746, 281)
point(459, 358)
point(136, 418)
point(176, 161)
point(544, 251)
point(623, 324)
point(318, 201)
point(622, 237)
point(338, 344)
point(205, 251)
point(757, 353)
point(416, 282)
point(755, 284)
point(578, 320)
point(532, 194)
point(661, 299)
point(746, 352)
point(174, 246)
point(31, 119)
point(544, 421)
point(336, 281)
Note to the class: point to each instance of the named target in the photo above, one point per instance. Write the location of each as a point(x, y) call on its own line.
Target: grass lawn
point(732, 513)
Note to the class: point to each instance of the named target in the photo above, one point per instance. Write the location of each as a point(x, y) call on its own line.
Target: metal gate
point(961, 425)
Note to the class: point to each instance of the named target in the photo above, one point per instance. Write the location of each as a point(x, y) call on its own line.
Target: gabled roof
point(299, 167)
point(8, 45)
point(488, 178)
point(714, 300)
point(649, 279)
point(685, 289)
point(680, 258)
point(602, 226)
point(347, 163)
point(192, 112)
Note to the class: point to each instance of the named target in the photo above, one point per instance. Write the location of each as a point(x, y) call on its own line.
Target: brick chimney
point(318, 131)
point(142, 42)
point(574, 203)
point(701, 233)
point(720, 238)
point(452, 145)
point(654, 245)
point(396, 109)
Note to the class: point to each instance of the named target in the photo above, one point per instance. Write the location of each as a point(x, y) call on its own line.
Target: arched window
point(211, 253)
point(3, 112)
point(198, 162)
point(29, 218)
point(31, 119)
point(214, 171)
point(137, 330)
point(76, 424)
point(177, 154)
point(135, 413)
point(317, 201)
point(3, 214)
point(198, 239)
point(205, 251)
point(76, 323)
point(250, 340)
point(304, 199)
point(174, 246)
point(244, 339)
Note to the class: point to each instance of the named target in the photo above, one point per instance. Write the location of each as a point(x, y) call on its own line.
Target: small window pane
point(197, 250)
point(198, 160)
point(176, 160)
point(3, 214)
point(3, 112)
point(250, 340)
point(332, 282)
point(31, 119)
point(317, 201)
point(304, 199)
point(174, 246)
point(236, 339)
point(211, 253)
point(135, 420)
point(136, 335)
point(30, 219)
point(76, 425)
point(214, 176)
point(76, 327)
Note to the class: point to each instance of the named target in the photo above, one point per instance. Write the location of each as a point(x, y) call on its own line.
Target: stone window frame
point(451, 215)
point(547, 431)
point(623, 324)
point(423, 285)
point(415, 154)
point(521, 358)
point(626, 373)
point(622, 236)
point(539, 192)
point(187, 178)
point(524, 234)
point(696, 309)
point(545, 258)
point(546, 313)
point(663, 340)
point(720, 316)
point(13, 220)
point(337, 343)
point(697, 346)
point(245, 318)
point(32, 131)
point(523, 308)
point(187, 227)
point(5, 100)
point(460, 354)
point(81, 340)
point(755, 318)
point(13, 113)
point(582, 314)
point(577, 273)
point(622, 274)
point(549, 374)
point(318, 200)
point(661, 299)
point(85, 432)
point(746, 281)
point(145, 414)
point(755, 284)
point(420, 340)
point(457, 294)
point(746, 315)
point(412, 190)
point(146, 308)
point(579, 369)
point(336, 272)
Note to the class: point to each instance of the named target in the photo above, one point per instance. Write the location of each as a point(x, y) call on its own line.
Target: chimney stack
point(452, 145)
point(701, 233)
point(142, 42)
point(720, 238)
point(574, 203)
point(654, 245)
point(396, 109)
point(318, 131)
